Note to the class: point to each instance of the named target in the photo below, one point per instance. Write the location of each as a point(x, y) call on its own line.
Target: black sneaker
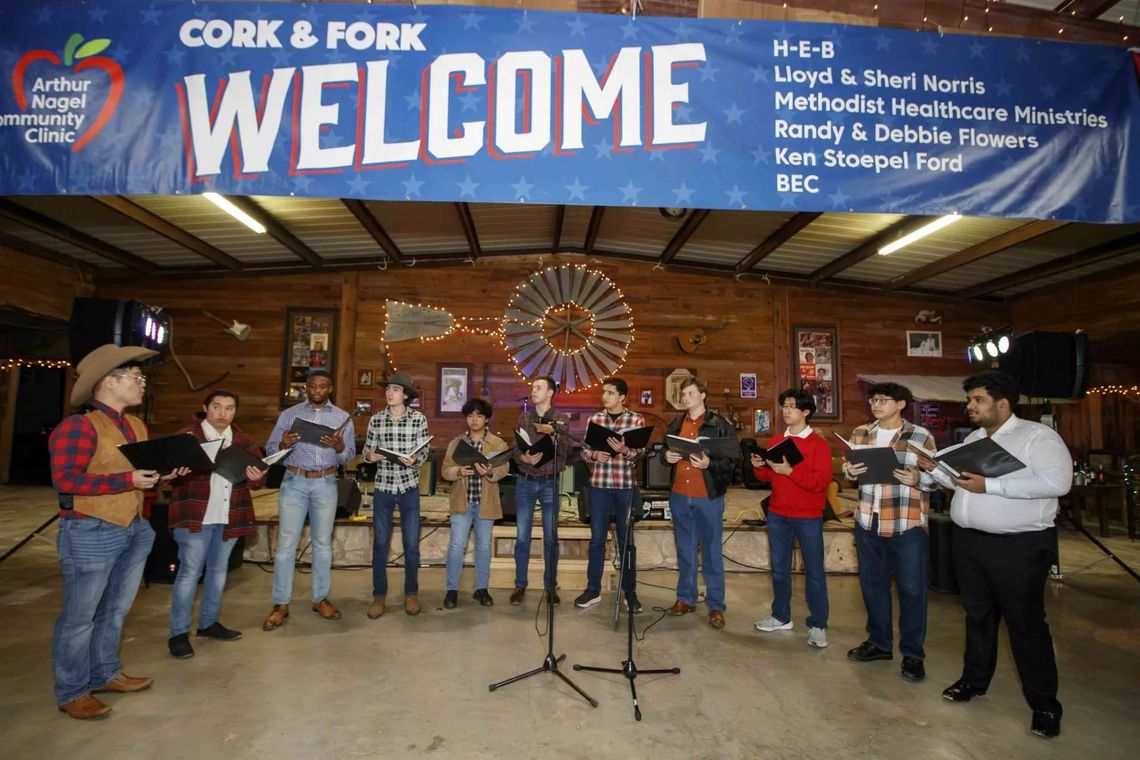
point(450, 600)
point(587, 598)
point(483, 597)
point(962, 691)
point(632, 602)
point(219, 632)
point(913, 670)
point(552, 597)
point(179, 646)
point(868, 652)
point(1047, 723)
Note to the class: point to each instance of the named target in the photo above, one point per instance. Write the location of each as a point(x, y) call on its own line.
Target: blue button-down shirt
point(306, 455)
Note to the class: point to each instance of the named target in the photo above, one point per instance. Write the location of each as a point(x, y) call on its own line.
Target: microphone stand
point(628, 666)
point(550, 663)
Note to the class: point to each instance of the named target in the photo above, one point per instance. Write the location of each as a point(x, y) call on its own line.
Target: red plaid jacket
point(192, 493)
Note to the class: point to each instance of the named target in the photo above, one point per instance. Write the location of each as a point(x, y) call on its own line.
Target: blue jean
point(102, 566)
point(383, 509)
point(205, 549)
point(461, 524)
point(699, 522)
point(808, 531)
point(906, 557)
point(606, 504)
point(316, 498)
point(527, 492)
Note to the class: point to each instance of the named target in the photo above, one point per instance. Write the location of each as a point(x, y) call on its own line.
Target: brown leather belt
point(311, 473)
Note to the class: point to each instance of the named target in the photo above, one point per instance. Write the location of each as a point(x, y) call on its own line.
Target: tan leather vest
point(115, 508)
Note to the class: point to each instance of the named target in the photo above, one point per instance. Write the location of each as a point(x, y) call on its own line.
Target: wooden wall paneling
point(346, 340)
point(34, 285)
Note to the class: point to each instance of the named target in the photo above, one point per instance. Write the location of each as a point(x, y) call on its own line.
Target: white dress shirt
point(218, 507)
point(1021, 501)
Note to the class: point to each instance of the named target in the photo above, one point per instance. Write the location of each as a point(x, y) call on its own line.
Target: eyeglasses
point(879, 400)
point(140, 379)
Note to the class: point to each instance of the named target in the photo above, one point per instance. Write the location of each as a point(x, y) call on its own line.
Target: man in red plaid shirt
point(611, 488)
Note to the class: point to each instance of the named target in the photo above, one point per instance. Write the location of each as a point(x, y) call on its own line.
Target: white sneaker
point(769, 624)
point(817, 637)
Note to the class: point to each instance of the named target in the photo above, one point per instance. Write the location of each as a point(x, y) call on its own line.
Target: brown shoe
point(679, 608)
point(517, 595)
point(86, 707)
point(716, 619)
point(412, 605)
point(276, 617)
point(376, 609)
point(327, 610)
point(124, 684)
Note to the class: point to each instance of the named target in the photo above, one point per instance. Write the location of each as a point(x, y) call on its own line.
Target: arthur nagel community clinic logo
point(66, 100)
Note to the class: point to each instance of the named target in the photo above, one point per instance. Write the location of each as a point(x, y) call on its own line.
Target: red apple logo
point(86, 55)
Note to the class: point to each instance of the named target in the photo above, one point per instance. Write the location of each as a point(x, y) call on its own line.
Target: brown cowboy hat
point(99, 363)
point(404, 380)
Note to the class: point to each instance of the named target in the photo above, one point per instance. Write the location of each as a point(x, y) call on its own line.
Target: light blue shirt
point(305, 455)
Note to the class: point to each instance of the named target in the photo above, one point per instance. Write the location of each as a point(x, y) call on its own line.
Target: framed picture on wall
point(310, 344)
point(815, 365)
point(923, 343)
point(365, 377)
point(453, 389)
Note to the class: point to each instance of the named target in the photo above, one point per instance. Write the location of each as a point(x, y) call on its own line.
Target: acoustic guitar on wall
point(691, 342)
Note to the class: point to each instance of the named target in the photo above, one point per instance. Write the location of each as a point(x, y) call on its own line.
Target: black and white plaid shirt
point(403, 434)
point(474, 483)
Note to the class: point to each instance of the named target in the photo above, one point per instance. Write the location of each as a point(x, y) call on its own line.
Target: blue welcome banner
point(479, 104)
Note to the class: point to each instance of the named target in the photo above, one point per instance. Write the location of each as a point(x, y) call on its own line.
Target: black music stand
point(628, 666)
point(550, 663)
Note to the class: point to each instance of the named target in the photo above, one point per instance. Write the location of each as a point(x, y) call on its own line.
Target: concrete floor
point(412, 687)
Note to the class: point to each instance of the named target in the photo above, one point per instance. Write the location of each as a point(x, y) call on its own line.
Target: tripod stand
point(550, 663)
point(628, 666)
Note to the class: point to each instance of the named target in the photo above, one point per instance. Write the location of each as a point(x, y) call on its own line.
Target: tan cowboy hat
point(404, 380)
point(99, 363)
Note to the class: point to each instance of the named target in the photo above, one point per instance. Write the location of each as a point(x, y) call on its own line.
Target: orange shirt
point(688, 480)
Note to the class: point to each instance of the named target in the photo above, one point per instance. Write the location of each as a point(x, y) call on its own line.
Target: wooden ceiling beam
point(996, 244)
point(559, 221)
point(592, 228)
point(171, 232)
point(472, 234)
point(72, 236)
point(1101, 252)
point(277, 230)
point(869, 247)
point(35, 249)
point(694, 220)
point(771, 243)
point(373, 227)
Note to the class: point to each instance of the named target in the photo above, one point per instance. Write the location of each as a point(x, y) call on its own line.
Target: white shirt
point(883, 438)
point(807, 431)
point(1021, 501)
point(218, 507)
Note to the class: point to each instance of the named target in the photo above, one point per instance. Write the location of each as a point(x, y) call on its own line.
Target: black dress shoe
point(1047, 723)
point(913, 670)
point(868, 652)
point(451, 600)
point(483, 597)
point(219, 632)
point(962, 691)
point(179, 647)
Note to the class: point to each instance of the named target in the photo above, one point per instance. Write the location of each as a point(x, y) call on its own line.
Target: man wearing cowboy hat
point(400, 429)
point(103, 542)
point(308, 488)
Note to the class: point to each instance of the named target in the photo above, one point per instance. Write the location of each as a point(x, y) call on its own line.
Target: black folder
point(597, 437)
point(881, 463)
point(785, 449)
point(394, 456)
point(982, 457)
point(726, 448)
point(231, 462)
point(164, 455)
point(311, 432)
point(465, 455)
point(544, 444)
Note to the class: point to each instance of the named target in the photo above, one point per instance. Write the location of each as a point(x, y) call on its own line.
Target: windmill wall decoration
point(568, 321)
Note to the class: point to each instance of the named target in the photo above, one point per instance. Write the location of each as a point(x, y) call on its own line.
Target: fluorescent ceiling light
point(225, 205)
point(919, 234)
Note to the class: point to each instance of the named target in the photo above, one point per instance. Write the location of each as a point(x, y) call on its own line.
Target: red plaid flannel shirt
point(618, 471)
point(192, 493)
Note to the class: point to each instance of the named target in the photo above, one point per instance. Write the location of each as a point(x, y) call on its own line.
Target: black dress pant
point(1003, 575)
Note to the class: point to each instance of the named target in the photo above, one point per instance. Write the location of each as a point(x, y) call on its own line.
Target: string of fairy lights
point(1131, 391)
point(7, 365)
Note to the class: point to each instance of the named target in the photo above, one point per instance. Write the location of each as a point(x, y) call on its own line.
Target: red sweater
point(803, 493)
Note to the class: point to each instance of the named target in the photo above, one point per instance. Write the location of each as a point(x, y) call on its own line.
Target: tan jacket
point(490, 508)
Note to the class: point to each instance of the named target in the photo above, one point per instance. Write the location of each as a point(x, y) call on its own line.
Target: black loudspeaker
point(507, 499)
point(348, 498)
point(748, 478)
point(1049, 364)
point(162, 562)
point(95, 321)
point(657, 473)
